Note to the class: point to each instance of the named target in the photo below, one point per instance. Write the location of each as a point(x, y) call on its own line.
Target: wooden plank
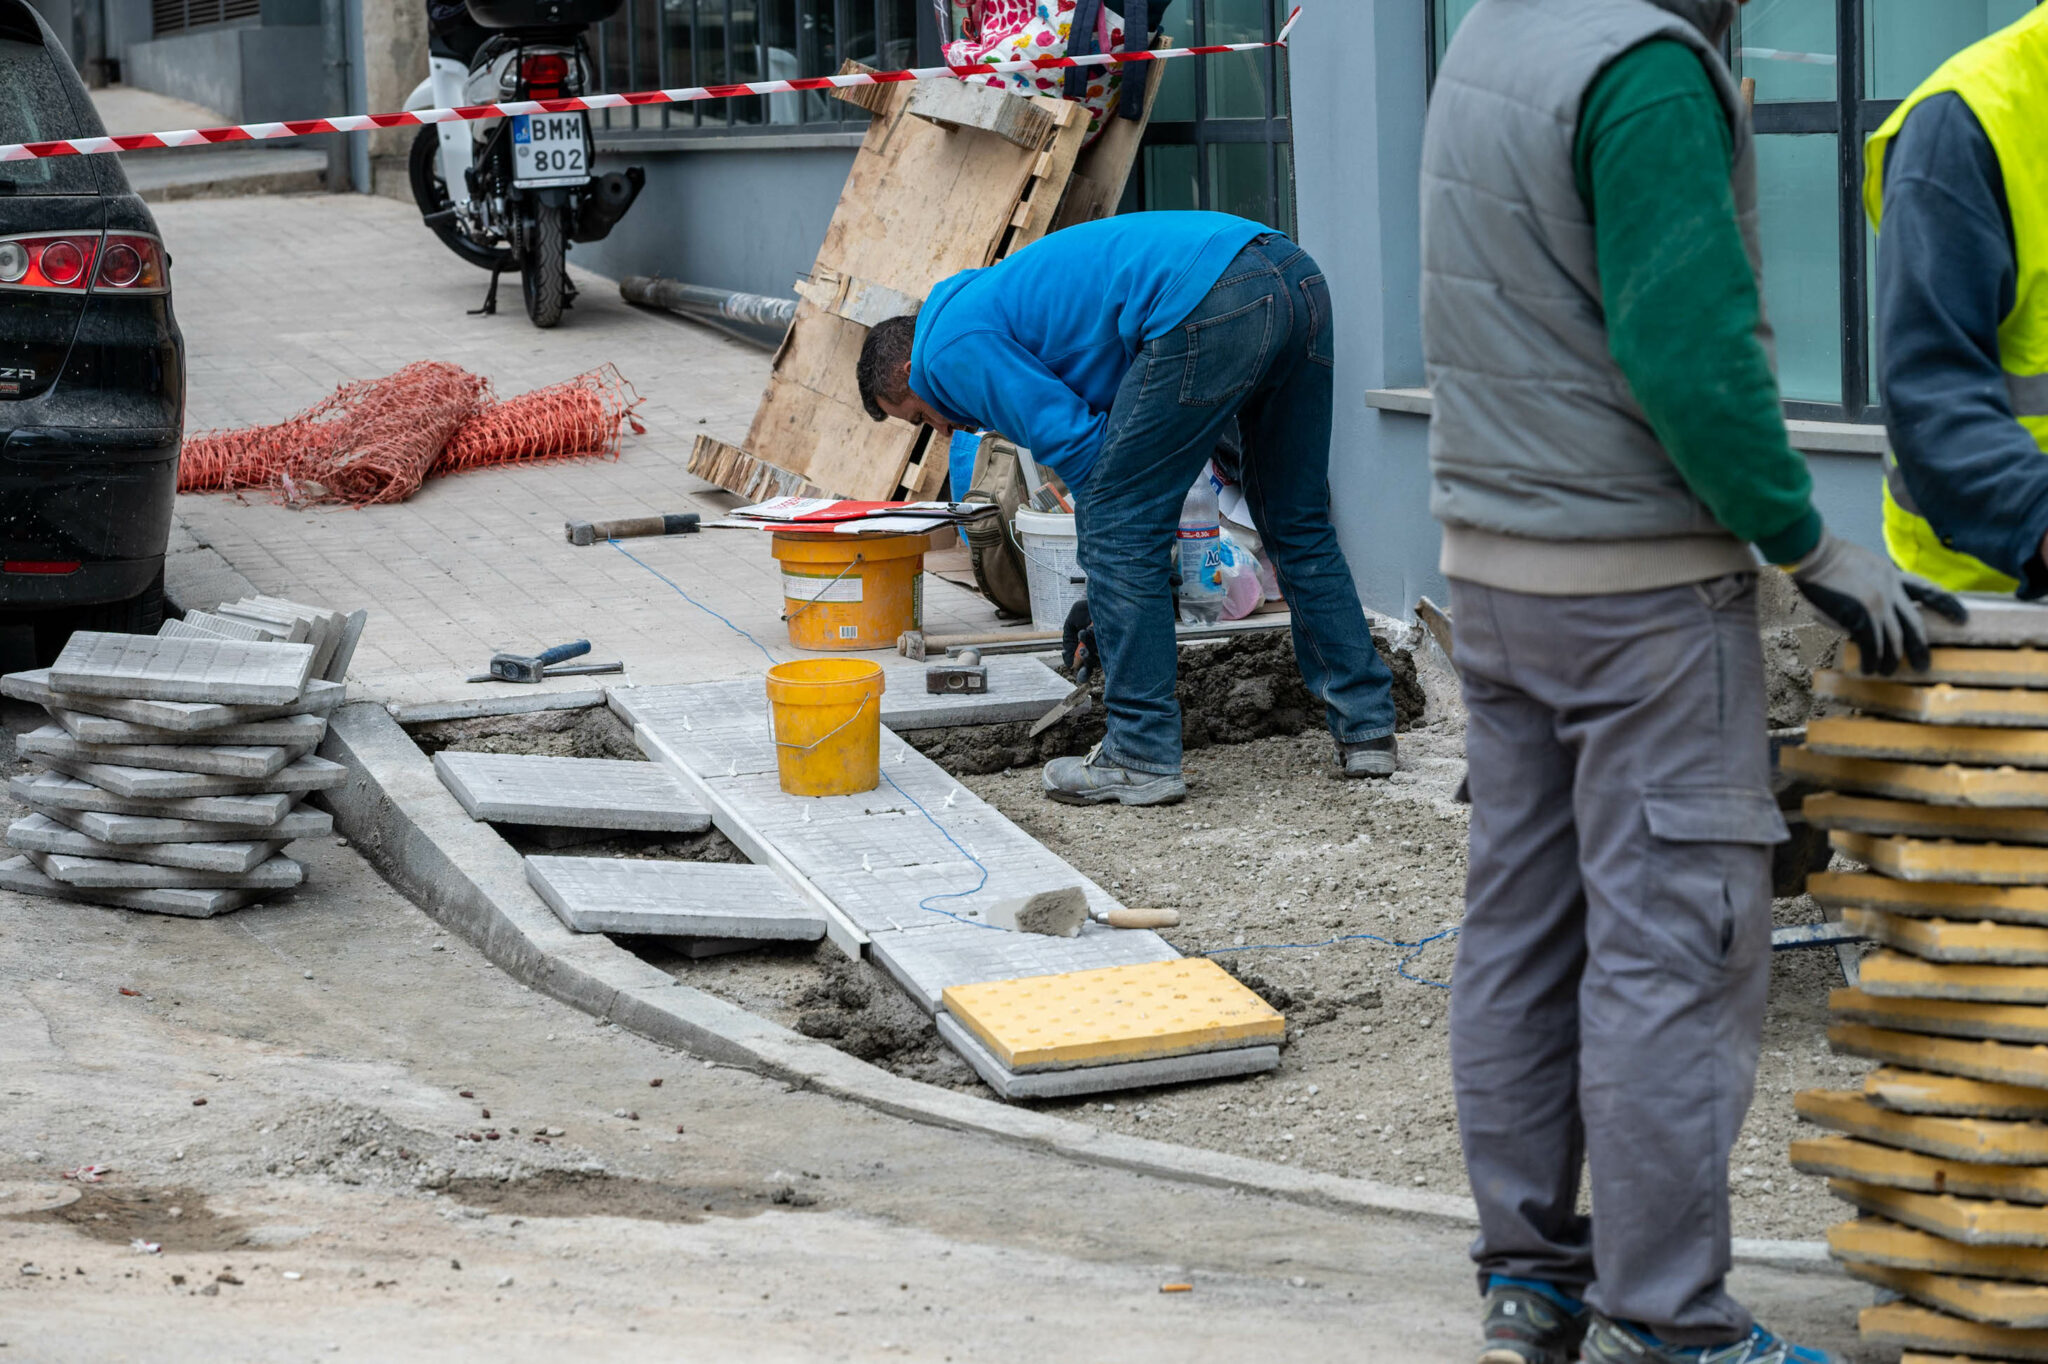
point(736, 471)
point(1039, 202)
point(1097, 184)
point(856, 300)
point(958, 106)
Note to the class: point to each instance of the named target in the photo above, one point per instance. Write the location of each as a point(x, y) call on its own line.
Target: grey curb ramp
point(40, 833)
point(571, 793)
point(19, 874)
point(1067, 1084)
point(274, 873)
point(141, 783)
point(147, 830)
point(679, 899)
point(154, 668)
point(187, 716)
point(219, 760)
point(925, 961)
point(70, 793)
point(295, 733)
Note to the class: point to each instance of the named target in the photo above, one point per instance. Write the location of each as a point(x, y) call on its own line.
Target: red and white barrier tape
point(357, 123)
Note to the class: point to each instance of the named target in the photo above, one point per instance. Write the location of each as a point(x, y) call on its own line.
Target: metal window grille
point(175, 16)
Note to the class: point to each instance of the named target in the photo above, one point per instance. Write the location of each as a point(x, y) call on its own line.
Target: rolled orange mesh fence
point(378, 440)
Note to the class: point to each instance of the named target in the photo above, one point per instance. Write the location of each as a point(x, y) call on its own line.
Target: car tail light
point(67, 262)
point(53, 567)
point(544, 73)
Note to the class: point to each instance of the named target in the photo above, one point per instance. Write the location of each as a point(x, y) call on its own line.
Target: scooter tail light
point(131, 264)
point(549, 69)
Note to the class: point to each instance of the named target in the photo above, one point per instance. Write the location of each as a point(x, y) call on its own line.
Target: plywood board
point(1947, 784)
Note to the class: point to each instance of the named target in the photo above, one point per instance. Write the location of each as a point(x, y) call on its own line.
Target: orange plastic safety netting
point(378, 440)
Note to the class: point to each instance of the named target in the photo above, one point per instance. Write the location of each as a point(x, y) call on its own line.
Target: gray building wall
point(250, 74)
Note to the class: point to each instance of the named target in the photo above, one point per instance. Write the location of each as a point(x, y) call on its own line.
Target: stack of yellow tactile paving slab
point(1940, 787)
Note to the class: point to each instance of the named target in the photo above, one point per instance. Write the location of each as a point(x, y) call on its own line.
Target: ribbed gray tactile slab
point(273, 873)
point(925, 961)
point(19, 874)
point(40, 833)
point(201, 625)
point(716, 728)
point(308, 773)
point(1995, 622)
point(54, 741)
point(151, 667)
point(187, 716)
point(574, 793)
point(301, 821)
point(295, 734)
point(69, 793)
point(1064, 1084)
point(680, 899)
point(336, 670)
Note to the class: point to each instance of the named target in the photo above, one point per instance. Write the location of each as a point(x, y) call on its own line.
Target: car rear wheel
point(140, 614)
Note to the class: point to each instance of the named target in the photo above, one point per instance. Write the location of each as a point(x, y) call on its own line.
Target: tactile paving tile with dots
point(1122, 1013)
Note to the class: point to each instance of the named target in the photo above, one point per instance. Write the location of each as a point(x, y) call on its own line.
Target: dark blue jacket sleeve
point(1946, 275)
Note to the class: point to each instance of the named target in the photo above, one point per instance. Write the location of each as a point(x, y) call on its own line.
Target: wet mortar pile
point(1277, 866)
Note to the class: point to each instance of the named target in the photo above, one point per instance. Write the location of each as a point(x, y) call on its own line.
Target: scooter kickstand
point(490, 308)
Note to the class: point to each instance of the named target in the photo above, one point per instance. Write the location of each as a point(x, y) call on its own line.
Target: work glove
point(1872, 602)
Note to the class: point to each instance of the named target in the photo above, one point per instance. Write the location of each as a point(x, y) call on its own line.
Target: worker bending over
point(1117, 352)
point(1607, 444)
point(1957, 179)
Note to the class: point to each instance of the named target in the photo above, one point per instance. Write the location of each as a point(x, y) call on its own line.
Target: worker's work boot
point(1095, 780)
point(1368, 758)
point(1528, 1322)
point(1611, 1342)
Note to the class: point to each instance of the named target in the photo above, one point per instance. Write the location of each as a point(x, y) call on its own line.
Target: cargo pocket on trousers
point(1707, 871)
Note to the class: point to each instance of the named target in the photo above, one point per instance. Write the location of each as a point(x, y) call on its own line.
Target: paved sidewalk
point(284, 297)
point(288, 166)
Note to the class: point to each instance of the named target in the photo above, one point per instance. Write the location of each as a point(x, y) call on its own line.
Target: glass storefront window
point(1237, 80)
point(1219, 137)
point(1798, 209)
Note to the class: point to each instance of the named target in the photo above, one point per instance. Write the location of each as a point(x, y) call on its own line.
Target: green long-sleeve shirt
point(1652, 158)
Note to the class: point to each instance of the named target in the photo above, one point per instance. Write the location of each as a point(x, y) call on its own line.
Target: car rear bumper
point(100, 499)
point(90, 584)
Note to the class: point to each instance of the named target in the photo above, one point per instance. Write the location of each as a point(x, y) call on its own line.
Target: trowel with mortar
point(1060, 914)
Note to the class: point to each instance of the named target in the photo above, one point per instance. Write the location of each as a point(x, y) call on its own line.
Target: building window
point(1220, 137)
point(664, 44)
point(1813, 112)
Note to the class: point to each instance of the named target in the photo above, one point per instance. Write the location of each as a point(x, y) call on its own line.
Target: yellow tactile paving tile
point(1965, 667)
point(1893, 974)
point(2018, 1306)
point(1944, 940)
point(2008, 1063)
point(1876, 1241)
point(2026, 1023)
point(1995, 787)
point(1117, 1013)
point(1923, 1328)
point(1940, 703)
point(1862, 736)
point(1914, 859)
point(1887, 1167)
point(1989, 1141)
point(1952, 1096)
point(1917, 819)
point(1930, 899)
point(1969, 1221)
point(1917, 1357)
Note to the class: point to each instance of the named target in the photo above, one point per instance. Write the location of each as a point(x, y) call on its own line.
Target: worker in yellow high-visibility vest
point(1957, 182)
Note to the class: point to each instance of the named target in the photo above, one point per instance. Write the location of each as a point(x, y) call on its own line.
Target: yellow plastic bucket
point(827, 717)
point(851, 592)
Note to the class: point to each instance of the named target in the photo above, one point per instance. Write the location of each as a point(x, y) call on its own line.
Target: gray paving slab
point(19, 874)
point(716, 728)
point(345, 647)
point(151, 667)
point(307, 773)
point(576, 793)
point(278, 626)
point(1995, 622)
point(320, 698)
point(294, 733)
point(222, 627)
point(323, 628)
point(54, 741)
point(302, 821)
point(1066, 1084)
point(470, 708)
point(274, 873)
point(678, 899)
point(67, 792)
point(40, 833)
point(925, 961)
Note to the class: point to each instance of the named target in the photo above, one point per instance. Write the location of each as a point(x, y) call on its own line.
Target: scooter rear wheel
point(544, 273)
point(430, 192)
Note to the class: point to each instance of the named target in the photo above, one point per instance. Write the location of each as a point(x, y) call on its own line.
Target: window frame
point(1275, 130)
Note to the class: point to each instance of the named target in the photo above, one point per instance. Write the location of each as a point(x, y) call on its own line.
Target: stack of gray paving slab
point(175, 766)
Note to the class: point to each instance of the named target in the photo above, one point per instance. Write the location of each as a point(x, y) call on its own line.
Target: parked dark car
point(92, 368)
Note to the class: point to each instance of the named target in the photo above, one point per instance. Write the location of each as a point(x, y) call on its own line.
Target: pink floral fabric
point(1016, 30)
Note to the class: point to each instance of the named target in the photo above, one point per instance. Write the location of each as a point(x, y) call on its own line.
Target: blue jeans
point(1257, 351)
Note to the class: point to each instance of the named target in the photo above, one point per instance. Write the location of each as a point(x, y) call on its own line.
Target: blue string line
point(693, 601)
point(1401, 967)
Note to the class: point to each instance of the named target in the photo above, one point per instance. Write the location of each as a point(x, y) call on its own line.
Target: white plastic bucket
point(1052, 565)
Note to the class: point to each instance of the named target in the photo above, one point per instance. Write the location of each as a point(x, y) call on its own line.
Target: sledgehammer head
point(1055, 913)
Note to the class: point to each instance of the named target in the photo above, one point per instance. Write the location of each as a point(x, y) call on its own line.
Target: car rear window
point(35, 106)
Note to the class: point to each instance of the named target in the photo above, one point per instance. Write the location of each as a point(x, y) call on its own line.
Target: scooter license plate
point(549, 149)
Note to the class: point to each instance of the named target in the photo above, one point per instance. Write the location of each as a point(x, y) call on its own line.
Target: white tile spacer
point(900, 753)
point(807, 814)
point(733, 770)
point(953, 796)
point(865, 865)
point(686, 722)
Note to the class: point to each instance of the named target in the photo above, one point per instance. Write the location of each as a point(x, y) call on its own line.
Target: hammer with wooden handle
point(630, 527)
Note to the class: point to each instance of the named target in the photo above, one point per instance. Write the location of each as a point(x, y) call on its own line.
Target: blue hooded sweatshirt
point(1036, 345)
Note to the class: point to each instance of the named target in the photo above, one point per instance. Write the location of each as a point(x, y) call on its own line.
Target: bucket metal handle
point(858, 560)
point(780, 742)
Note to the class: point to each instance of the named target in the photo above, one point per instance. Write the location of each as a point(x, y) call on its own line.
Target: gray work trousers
point(1609, 995)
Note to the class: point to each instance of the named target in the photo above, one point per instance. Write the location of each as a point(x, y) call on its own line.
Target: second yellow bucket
point(826, 714)
point(849, 591)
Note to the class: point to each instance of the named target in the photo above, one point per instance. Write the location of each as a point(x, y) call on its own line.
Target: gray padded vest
point(1535, 433)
